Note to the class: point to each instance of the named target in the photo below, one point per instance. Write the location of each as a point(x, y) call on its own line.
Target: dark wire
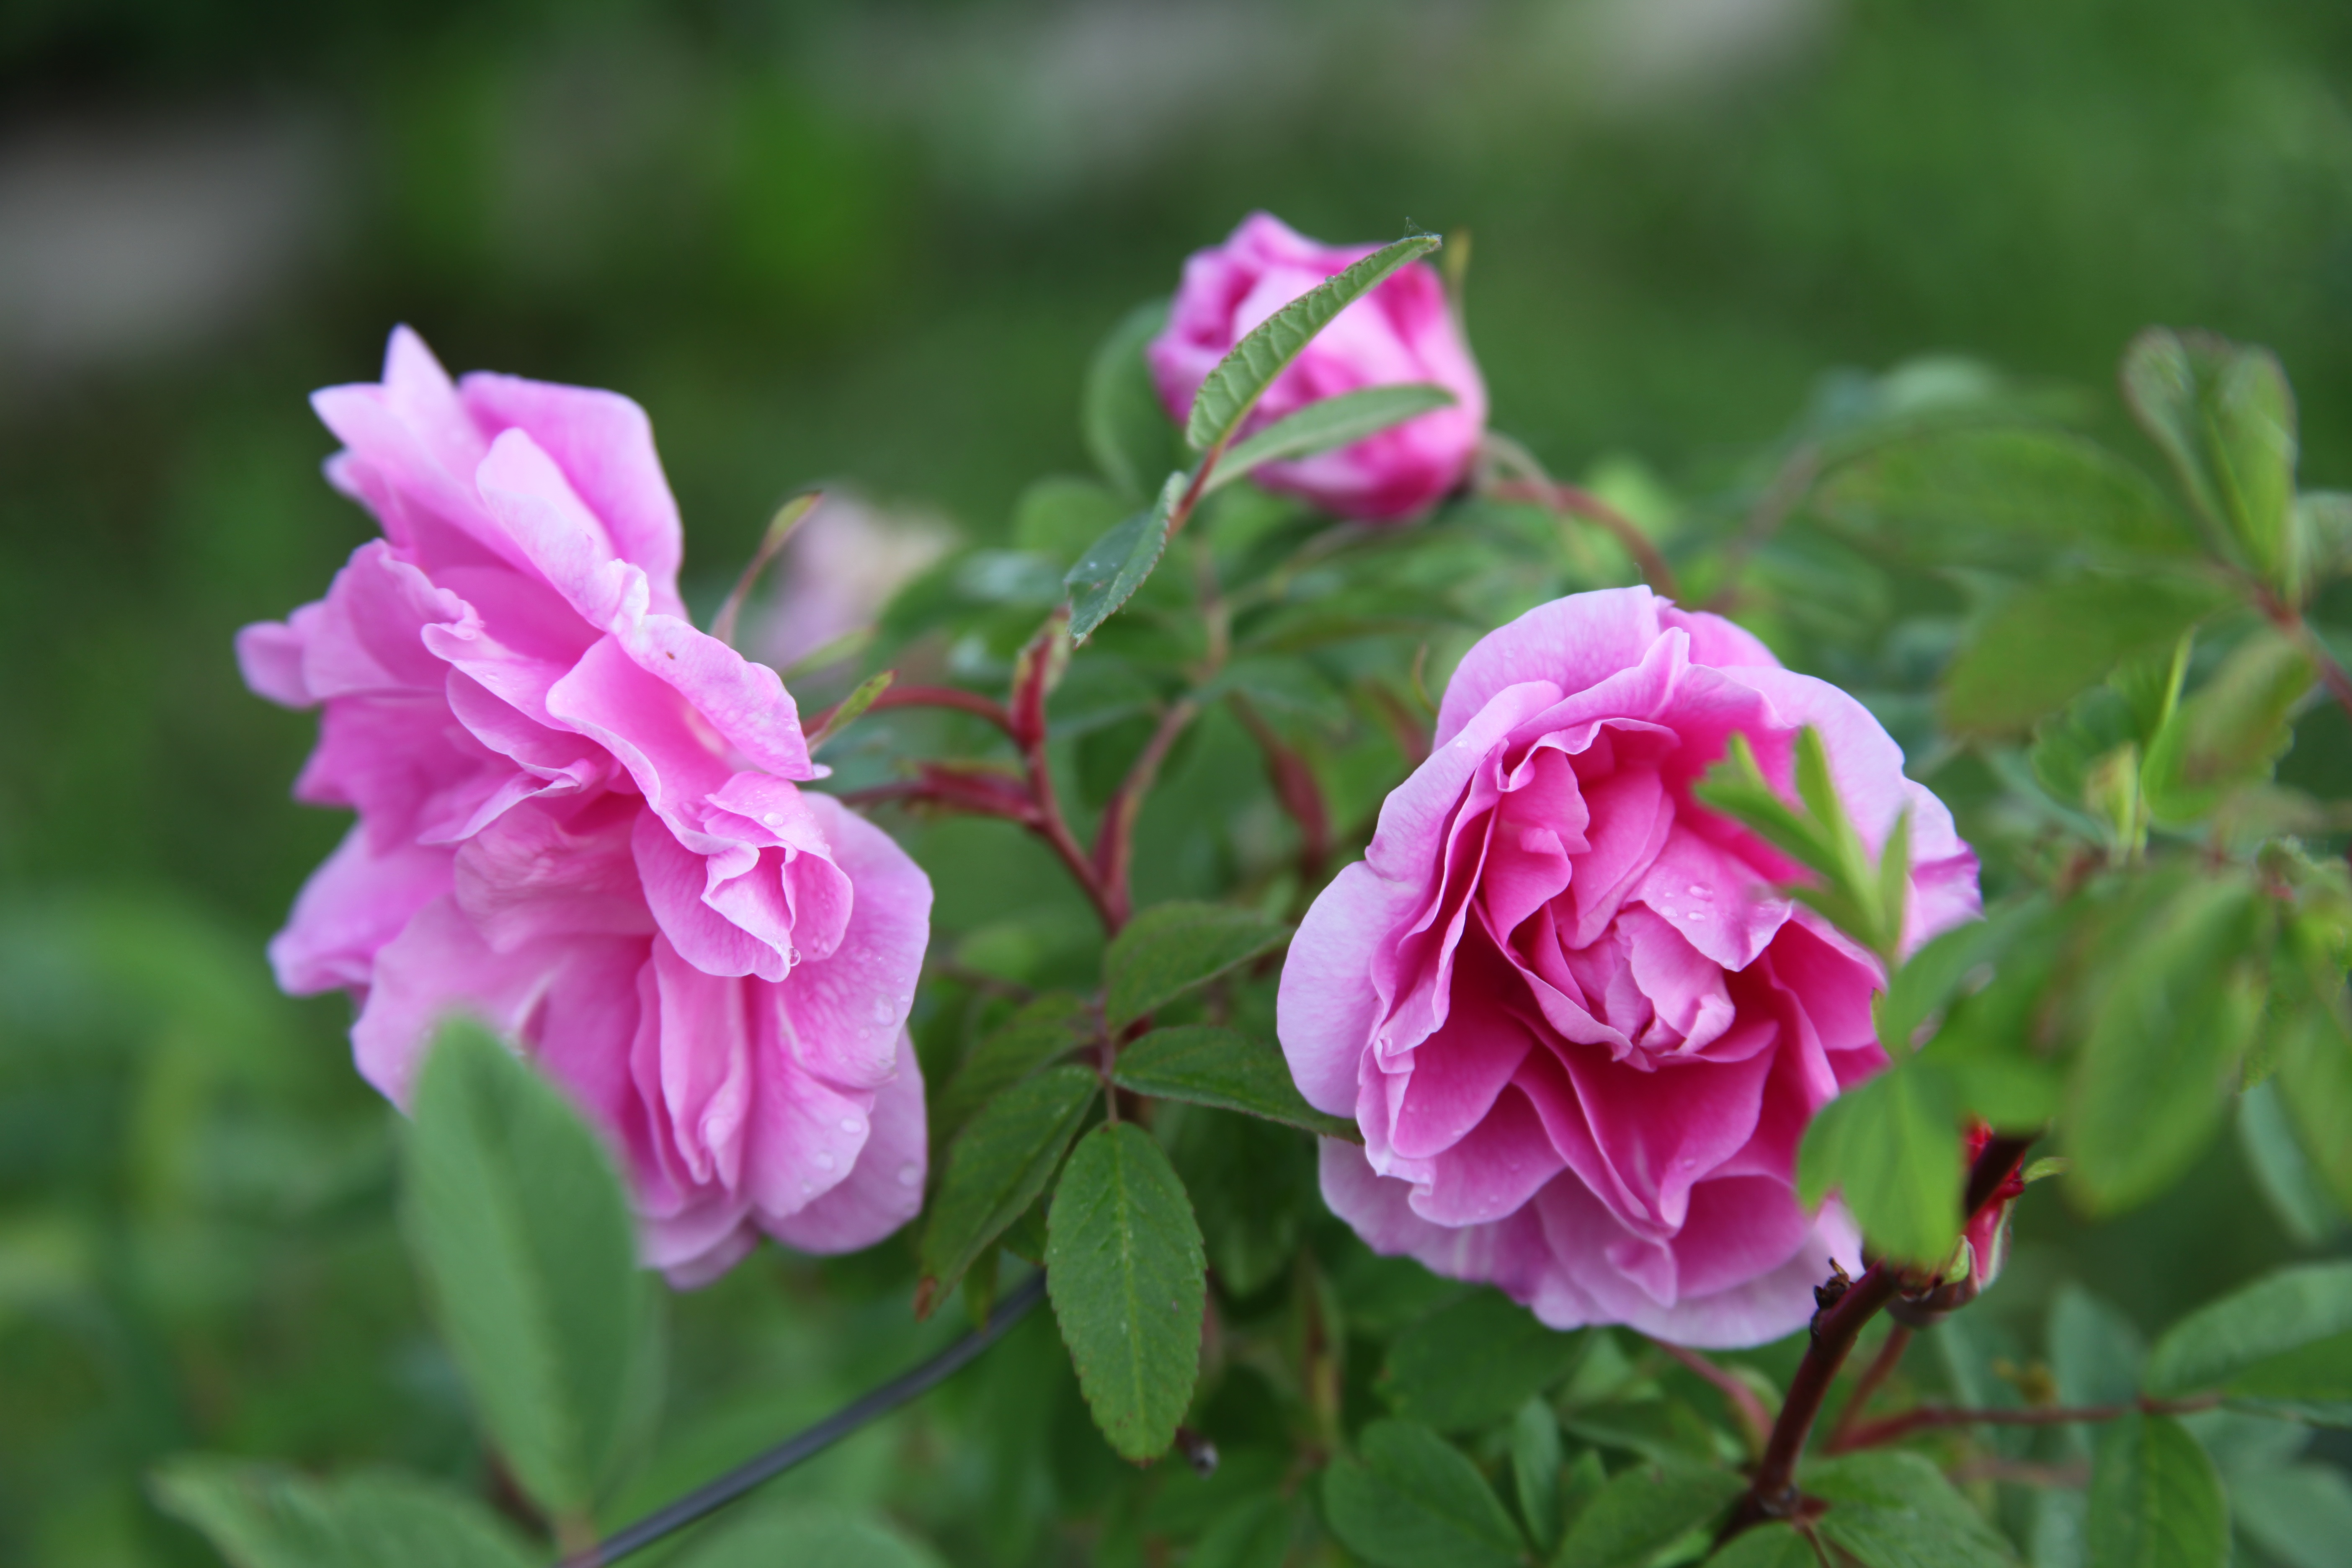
point(708, 1499)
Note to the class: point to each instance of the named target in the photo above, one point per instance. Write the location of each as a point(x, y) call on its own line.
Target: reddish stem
point(1115, 838)
point(1747, 1405)
point(1772, 1492)
point(1294, 787)
point(1574, 502)
point(1880, 1367)
point(953, 697)
point(1928, 1416)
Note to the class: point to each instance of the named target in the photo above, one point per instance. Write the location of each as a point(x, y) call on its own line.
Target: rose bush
point(1580, 1026)
point(1403, 331)
point(580, 818)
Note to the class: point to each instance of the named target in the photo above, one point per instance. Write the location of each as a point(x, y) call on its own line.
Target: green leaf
point(1233, 387)
point(1767, 1546)
point(996, 1168)
point(2315, 1078)
point(804, 1533)
point(1128, 433)
point(1891, 1146)
point(522, 1229)
point(1058, 516)
point(261, 1516)
point(1669, 1431)
point(1933, 974)
point(1171, 949)
point(2324, 518)
point(1896, 1510)
point(1252, 1185)
point(2094, 1352)
point(1474, 1363)
point(2174, 1017)
point(1124, 1267)
point(1115, 565)
point(1967, 492)
point(1327, 423)
point(2300, 1515)
point(2283, 1340)
point(1203, 1064)
point(2156, 1499)
point(2054, 637)
point(1578, 1485)
point(845, 712)
point(2225, 417)
point(1254, 1534)
point(1644, 1510)
point(2296, 1191)
point(2232, 732)
point(1046, 1027)
point(1414, 1501)
point(1535, 1472)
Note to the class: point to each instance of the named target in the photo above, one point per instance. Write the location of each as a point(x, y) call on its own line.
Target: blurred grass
point(877, 243)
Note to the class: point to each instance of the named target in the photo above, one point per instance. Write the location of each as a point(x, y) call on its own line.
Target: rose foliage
point(1465, 945)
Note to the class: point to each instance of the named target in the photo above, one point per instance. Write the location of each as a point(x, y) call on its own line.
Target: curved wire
point(708, 1499)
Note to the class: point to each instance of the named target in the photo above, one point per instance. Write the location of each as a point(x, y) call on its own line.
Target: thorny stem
point(1927, 1417)
point(1755, 1421)
point(1882, 1366)
point(1773, 1491)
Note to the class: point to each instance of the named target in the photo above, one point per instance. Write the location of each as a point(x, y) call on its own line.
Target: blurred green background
point(875, 245)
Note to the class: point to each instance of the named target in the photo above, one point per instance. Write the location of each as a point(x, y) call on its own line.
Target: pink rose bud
point(1976, 1262)
point(1580, 1027)
point(1402, 332)
point(578, 819)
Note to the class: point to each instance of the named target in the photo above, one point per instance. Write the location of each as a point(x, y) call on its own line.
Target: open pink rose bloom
point(1402, 332)
point(578, 819)
point(1581, 1031)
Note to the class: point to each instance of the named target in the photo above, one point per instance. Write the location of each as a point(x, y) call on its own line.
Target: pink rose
point(1581, 1030)
point(579, 818)
point(1402, 332)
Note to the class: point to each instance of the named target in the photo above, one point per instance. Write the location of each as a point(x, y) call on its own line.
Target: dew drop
point(1698, 893)
point(824, 1159)
point(882, 1012)
point(908, 1176)
point(774, 819)
point(851, 1124)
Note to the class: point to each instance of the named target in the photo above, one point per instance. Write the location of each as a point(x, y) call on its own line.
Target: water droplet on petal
point(824, 1159)
point(882, 1014)
point(851, 1124)
point(774, 819)
point(1697, 892)
point(908, 1176)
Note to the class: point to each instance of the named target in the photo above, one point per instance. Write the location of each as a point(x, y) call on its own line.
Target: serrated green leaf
point(996, 1168)
point(1115, 565)
point(1203, 1064)
point(2232, 732)
point(1124, 1267)
point(1535, 1473)
point(1767, 1546)
point(1328, 423)
point(2156, 1499)
point(2175, 1017)
point(2003, 492)
point(2285, 1339)
point(1578, 1485)
point(2315, 1077)
point(1891, 1146)
point(1936, 972)
point(1169, 949)
point(1643, 1510)
point(522, 1229)
point(1472, 1363)
point(1046, 1027)
point(1252, 1184)
point(1128, 433)
point(2225, 417)
point(804, 1533)
point(1414, 1501)
point(2054, 638)
point(2296, 1189)
point(1233, 387)
point(1255, 1533)
point(262, 1516)
point(1896, 1510)
point(2299, 1514)
point(1669, 1431)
